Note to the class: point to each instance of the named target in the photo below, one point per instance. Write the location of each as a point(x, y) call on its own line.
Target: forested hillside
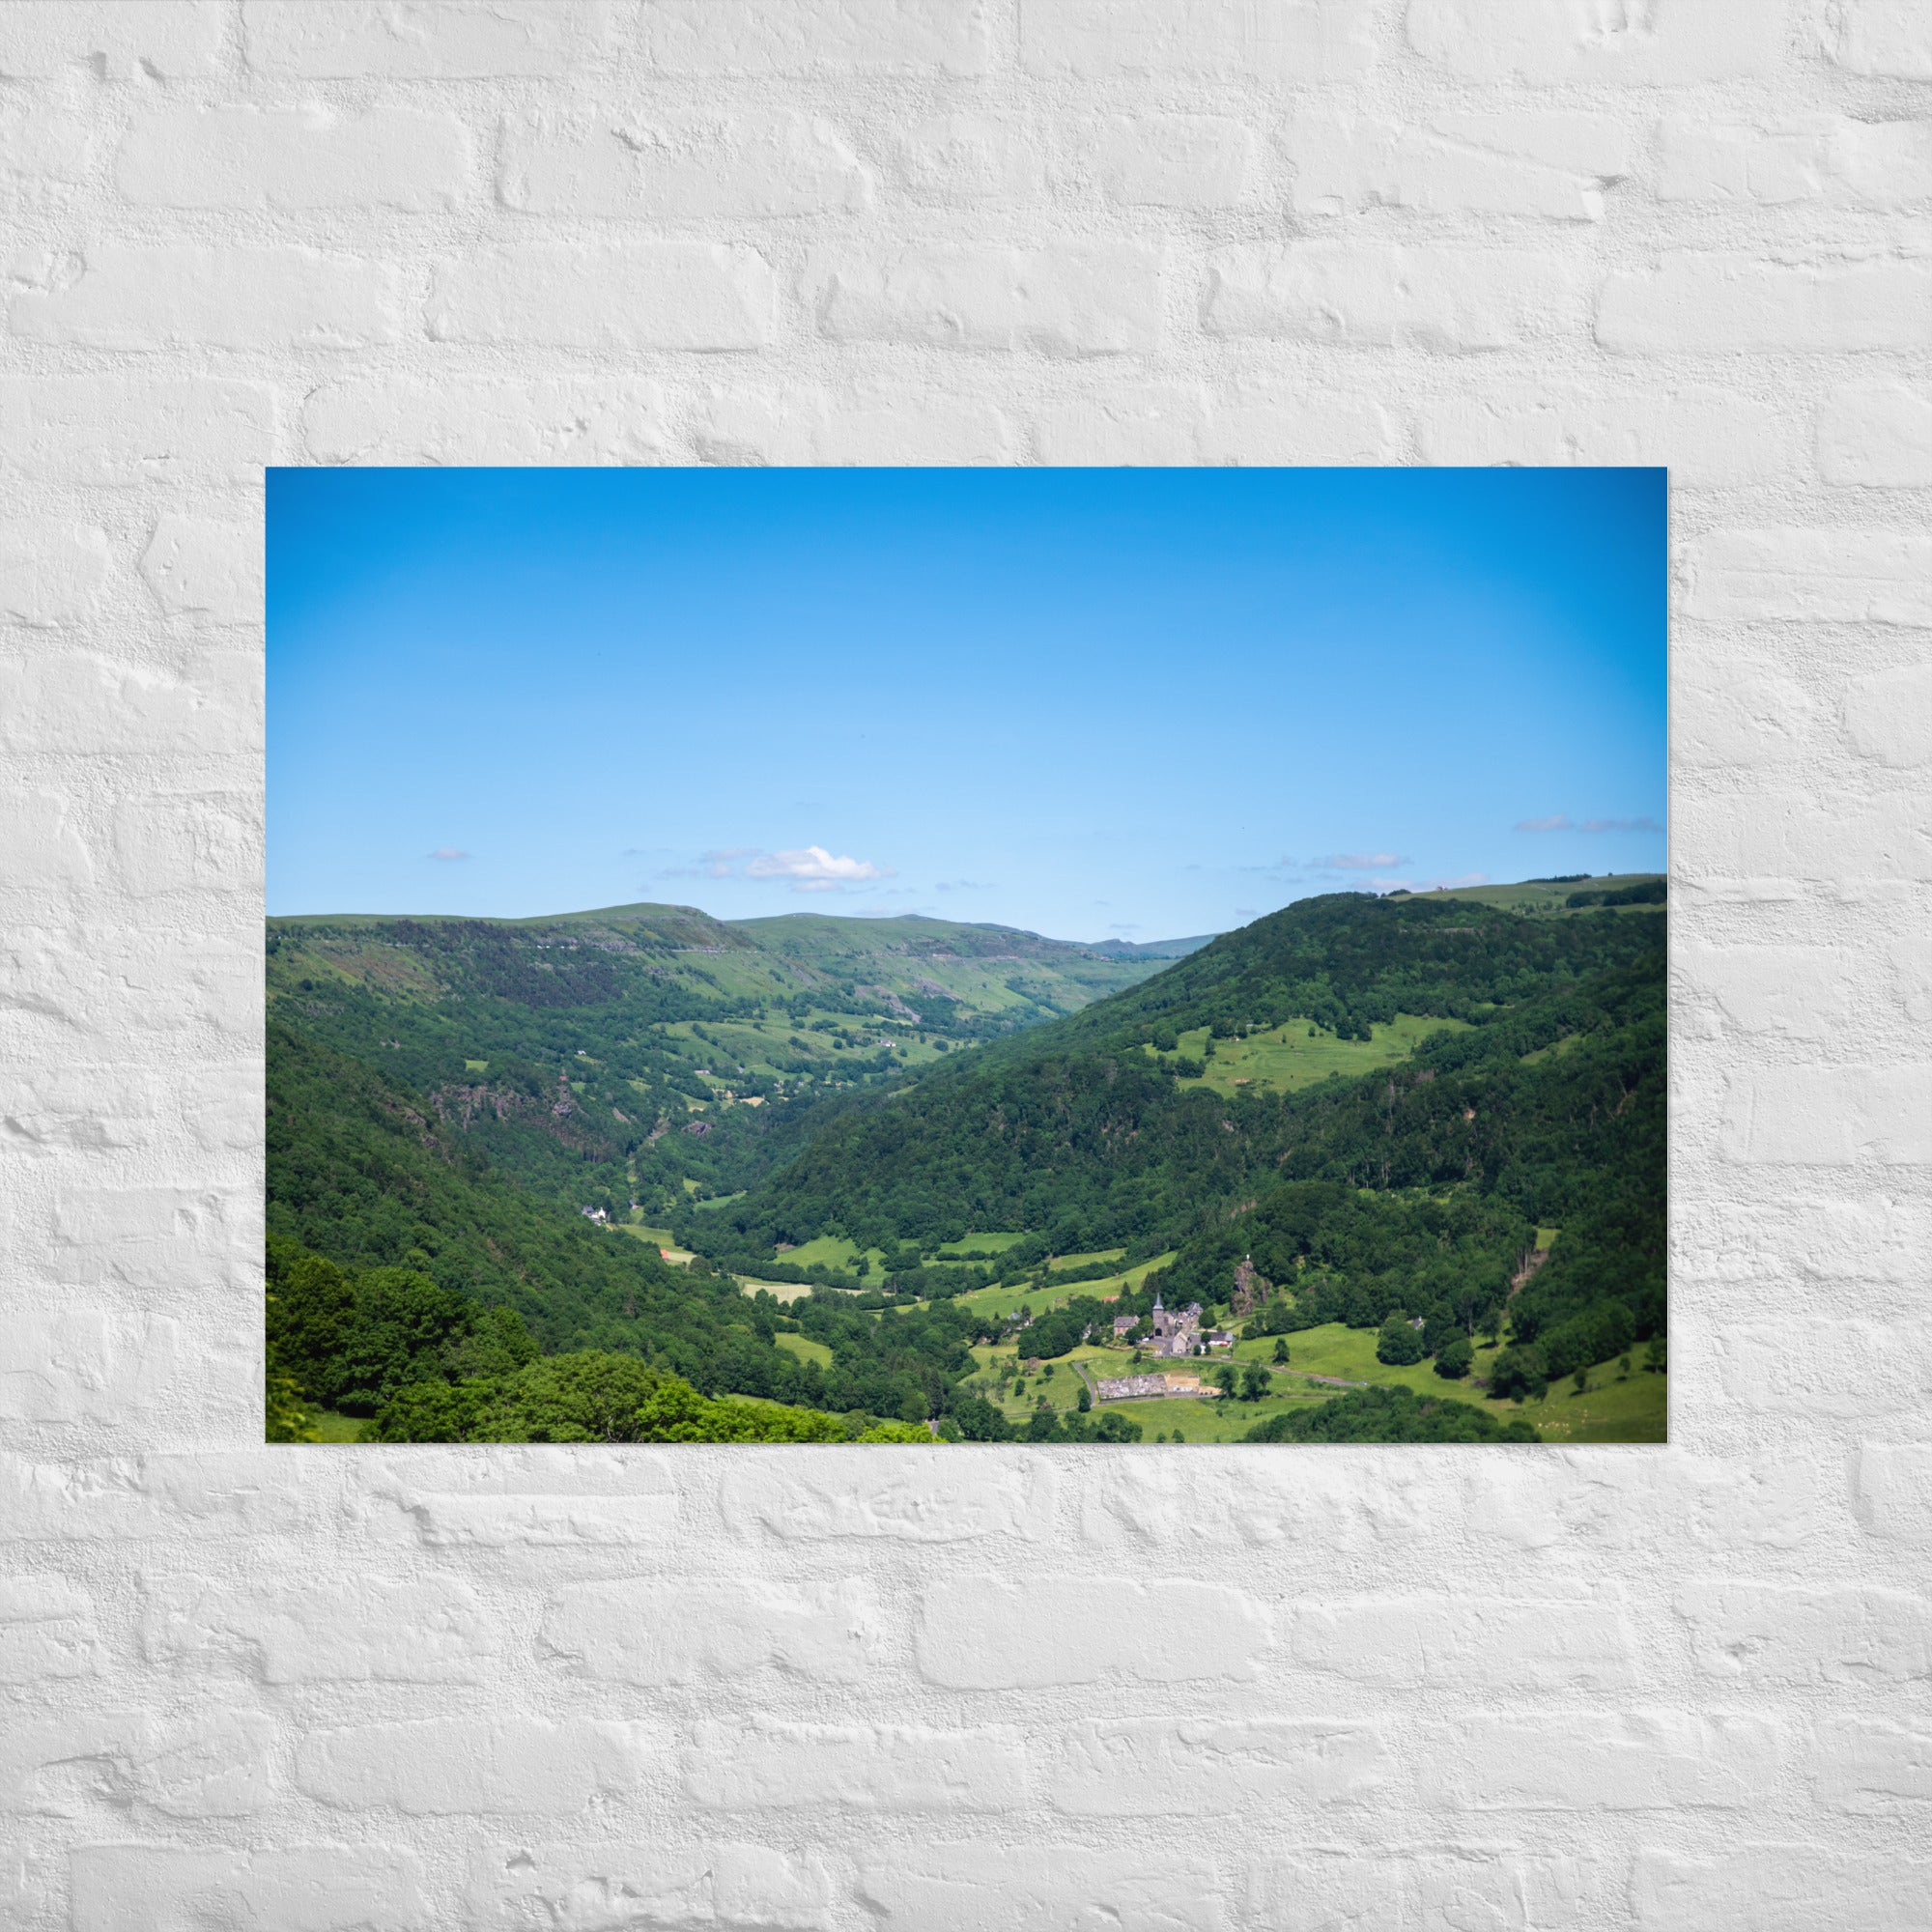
point(446, 1096)
point(1418, 1190)
point(627, 1054)
point(1437, 1118)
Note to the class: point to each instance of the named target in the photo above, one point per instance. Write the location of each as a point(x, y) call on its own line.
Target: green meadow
point(1300, 1054)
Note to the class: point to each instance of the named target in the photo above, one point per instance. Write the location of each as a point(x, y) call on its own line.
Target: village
point(1178, 1335)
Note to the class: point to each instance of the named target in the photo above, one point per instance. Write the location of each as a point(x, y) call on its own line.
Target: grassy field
point(657, 1237)
point(779, 1290)
point(1285, 1058)
point(806, 1349)
point(330, 1426)
point(1087, 1260)
point(832, 1250)
point(999, 1300)
point(1543, 896)
point(983, 1247)
point(1632, 1410)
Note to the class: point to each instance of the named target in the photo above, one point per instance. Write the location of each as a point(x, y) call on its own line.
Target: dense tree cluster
point(1392, 1414)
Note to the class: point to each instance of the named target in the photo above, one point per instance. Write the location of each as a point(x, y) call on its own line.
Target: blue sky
point(1090, 702)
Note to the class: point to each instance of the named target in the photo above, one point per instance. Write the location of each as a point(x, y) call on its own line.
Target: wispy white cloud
point(1645, 824)
point(812, 869)
point(1557, 821)
point(1358, 862)
point(805, 869)
point(964, 885)
point(448, 852)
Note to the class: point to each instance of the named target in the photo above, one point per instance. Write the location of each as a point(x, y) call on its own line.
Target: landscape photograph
point(1132, 959)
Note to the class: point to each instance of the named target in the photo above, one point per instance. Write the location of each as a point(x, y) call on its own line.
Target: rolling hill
point(1485, 1072)
point(624, 1053)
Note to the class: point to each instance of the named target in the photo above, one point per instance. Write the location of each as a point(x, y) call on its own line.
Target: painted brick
point(200, 1765)
point(1878, 434)
point(423, 40)
point(484, 1767)
point(119, 431)
point(1835, 1238)
point(197, 568)
point(79, 1108)
point(740, 37)
point(864, 427)
point(913, 1500)
point(1866, 1764)
point(136, 1235)
point(431, 1630)
point(962, 159)
point(1891, 37)
point(1556, 167)
point(1173, 161)
point(294, 157)
point(1706, 434)
point(681, 168)
point(1857, 575)
point(1889, 715)
point(1736, 711)
point(766, 1764)
point(1830, 1115)
point(42, 845)
point(1421, 1642)
point(1894, 1491)
point(1792, 1633)
point(42, 142)
point(1299, 41)
point(1856, 163)
point(1057, 1887)
point(178, 296)
point(1792, 992)
point(299, 1889)
point(1675, 43)
point(1856, 1365)
point(724, 1885)
point(1083, 298)
point(235, 224)
point(1312, 428)
point(643, 295)
point(186, 842)
point(1155, 424)
point(67, 1365)
point(1423, 1884)
point(1147, 424)
point(1374, 295)
point(527, 1498)
point(51, 572)
point(1191, 1768)
point(1776, 1888)
point(645, 1632)
point(1768, 846)
point(44, 39)
point(484, 422)
point(47, 1633)
point(982, 1635)
point(1591, 1760)
point(1730, 304)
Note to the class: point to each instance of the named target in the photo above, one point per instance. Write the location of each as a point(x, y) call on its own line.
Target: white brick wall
point(401, 1691)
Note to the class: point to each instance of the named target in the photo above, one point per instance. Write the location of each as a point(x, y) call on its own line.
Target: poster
point(937, 958)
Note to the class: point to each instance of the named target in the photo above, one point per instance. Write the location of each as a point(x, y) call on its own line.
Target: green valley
point(642, 1174)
